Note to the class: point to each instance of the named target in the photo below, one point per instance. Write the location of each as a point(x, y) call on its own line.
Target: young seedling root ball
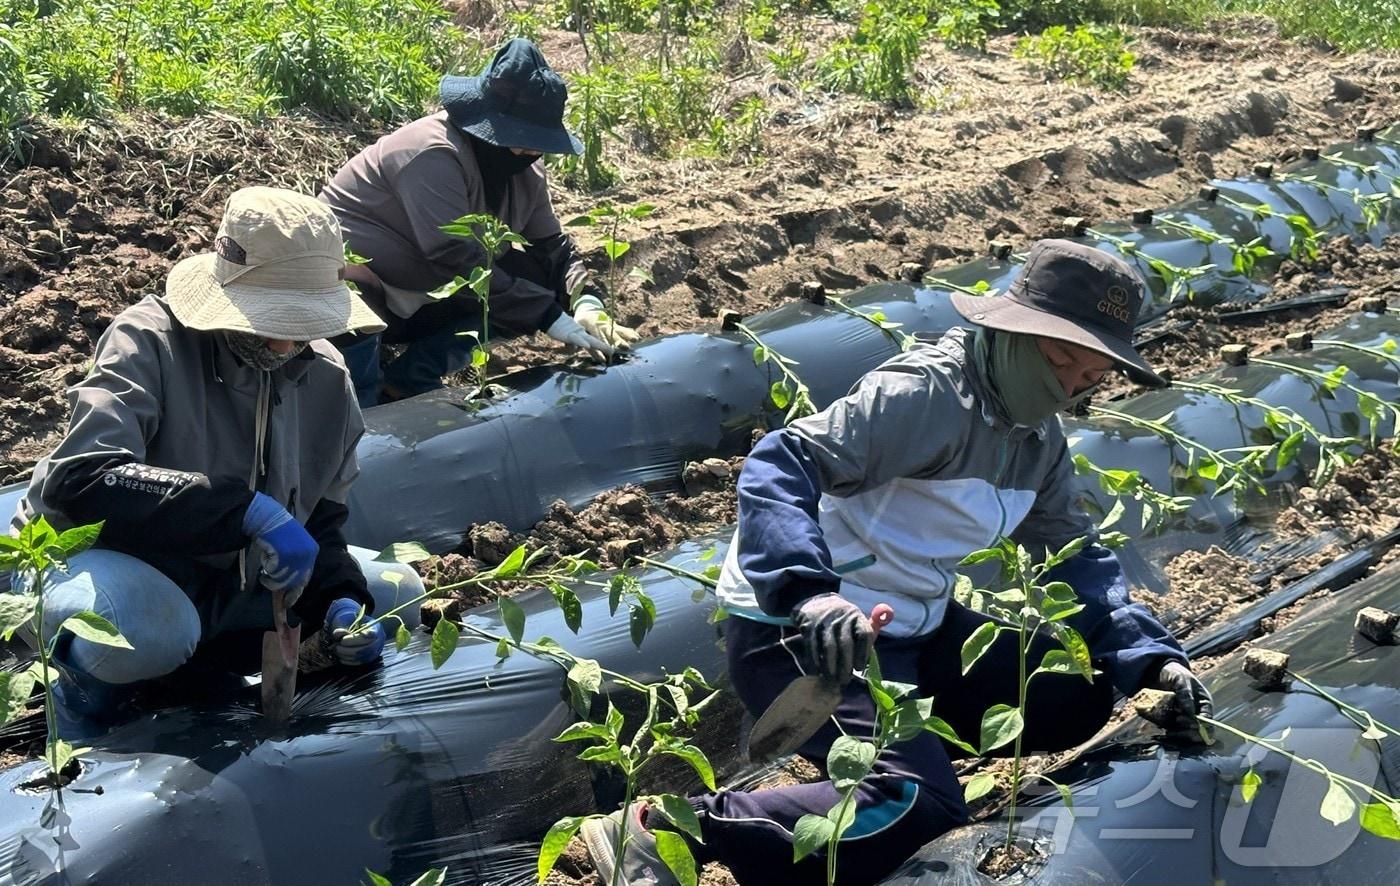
point(1234, 355)
point(1378, 625)
point(1268, 668)
point(1156, 706)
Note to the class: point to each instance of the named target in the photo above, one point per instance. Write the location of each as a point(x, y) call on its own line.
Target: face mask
point(498, 165)
point(254, 352)
point(1023, 378)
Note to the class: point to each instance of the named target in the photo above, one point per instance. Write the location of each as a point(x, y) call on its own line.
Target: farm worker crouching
point(933, 455)
point(215, 436)
point(480, 155)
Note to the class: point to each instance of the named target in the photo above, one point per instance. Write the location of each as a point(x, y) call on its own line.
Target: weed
point(878, 60)
point(15, 108)
point(29, 559)
point(494, 237)
point(1089, 54)
point(963, 23)
point(789, 61)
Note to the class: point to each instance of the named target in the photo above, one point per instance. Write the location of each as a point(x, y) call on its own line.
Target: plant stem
point(1343, 706)
point(1022, 643)
point(678, 571)
point(1311, 764)
point(45, 649)
point(622, 831)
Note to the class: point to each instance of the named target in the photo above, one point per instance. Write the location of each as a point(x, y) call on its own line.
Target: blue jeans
point(159, 620)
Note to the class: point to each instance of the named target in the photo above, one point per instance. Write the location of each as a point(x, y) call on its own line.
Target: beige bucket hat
point(276, 271)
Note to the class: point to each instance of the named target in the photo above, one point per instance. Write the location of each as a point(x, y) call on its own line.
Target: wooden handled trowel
point(279, 663)
point(801, 709)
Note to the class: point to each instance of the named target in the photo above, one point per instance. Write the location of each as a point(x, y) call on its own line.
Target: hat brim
point(200, 302)
point(467, 110)
point(1001, 312)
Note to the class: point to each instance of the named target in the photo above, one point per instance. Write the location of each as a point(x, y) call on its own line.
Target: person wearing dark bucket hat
point(939, 452)
point(479, 155)
point(215, 438)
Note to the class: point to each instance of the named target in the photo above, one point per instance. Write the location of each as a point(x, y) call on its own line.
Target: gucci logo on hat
point(1118, 295)
point(229, 250)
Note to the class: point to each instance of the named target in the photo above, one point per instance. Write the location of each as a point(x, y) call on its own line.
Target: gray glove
point(1192, 697)
point(567, 330)
point(836, 633)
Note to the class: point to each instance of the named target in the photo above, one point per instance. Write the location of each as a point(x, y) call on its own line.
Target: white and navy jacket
point(880, 495)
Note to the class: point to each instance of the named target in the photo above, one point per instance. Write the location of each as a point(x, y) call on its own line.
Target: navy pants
point(913, 795)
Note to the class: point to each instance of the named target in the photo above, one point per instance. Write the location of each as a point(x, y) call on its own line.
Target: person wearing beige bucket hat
point(940, 451)
point(482, 154)
point(215, 438)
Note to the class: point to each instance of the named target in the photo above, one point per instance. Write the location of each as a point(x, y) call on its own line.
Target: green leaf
point(680, 813)
point(1249, 785)
point(78, 539)
point(59, 753)
point(403, 552)
point(584, 679)
point(433, 877)
point(503, 649)
point(849, 761)
point(697, 760)
point(760, 355)
point(376, 879)
point(979, 786)
point(554, 843)
point(580, 221)
point(582, 731)
point(444, 642)
point(1057, 661)
point(95, 629)
point(615, 249)
point(640, 619)
point(1070, 550)
point(811, 833)
point(1288, 449)
point(1381, 819)
point(513, 617)
point(402, 637)
point(780, 394)
point(1337, 804)
point(15, 690)
point(976, 645)
point(615, 588)
point(673, 851)
point(1000, 725)
point(981, 556)
point(1115, 513)
point(944, 730)
point(1066, 797)
point(1076, 647)
point(480, 358)
point(841, 816)
point(511, 565)
point(15, 612)
point(569, 603)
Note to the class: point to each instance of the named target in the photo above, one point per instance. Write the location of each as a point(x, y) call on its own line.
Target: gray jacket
point(170, 435)
point(880, 495)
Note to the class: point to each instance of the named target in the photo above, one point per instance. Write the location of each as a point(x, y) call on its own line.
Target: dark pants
point(437, 335)
point(913, 795)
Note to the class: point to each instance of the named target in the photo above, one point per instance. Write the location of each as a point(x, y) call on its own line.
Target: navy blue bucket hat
point(516, 102)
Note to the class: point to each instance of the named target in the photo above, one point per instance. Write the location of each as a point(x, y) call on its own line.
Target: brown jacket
point(392, 197)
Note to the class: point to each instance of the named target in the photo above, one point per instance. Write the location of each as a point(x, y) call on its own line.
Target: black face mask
point(498, 165)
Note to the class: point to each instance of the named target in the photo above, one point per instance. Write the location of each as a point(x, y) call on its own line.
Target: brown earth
point(843, 190)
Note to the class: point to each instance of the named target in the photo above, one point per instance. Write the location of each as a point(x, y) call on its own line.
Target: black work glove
point(1192, 697)
point(836, 633)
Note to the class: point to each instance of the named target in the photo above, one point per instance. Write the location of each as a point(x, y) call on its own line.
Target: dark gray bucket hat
point(1070, 292)
point(516, 102)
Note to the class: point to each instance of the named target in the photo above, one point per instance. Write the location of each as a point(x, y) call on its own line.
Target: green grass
point(1348, 24)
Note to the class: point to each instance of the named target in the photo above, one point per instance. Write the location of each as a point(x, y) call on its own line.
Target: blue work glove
point(288, 552)
point(361, 648)
point(836, 633)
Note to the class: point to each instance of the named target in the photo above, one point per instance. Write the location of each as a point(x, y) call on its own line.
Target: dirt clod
point(1268, 668)
point(1378, 625)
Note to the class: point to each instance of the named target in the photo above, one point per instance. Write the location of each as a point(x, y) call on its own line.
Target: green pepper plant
point(1027, 606)
point(494, 237)
point(30, 559)
point(788, 393)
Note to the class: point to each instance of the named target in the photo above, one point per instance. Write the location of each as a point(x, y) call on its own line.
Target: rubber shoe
point(641, 865)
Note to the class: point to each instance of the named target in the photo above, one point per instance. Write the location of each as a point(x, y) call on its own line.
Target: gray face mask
point(1023, 378)
point(254, 352)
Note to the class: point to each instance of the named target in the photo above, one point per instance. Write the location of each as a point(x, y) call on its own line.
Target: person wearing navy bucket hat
point(481, 154)
point(940, 451)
